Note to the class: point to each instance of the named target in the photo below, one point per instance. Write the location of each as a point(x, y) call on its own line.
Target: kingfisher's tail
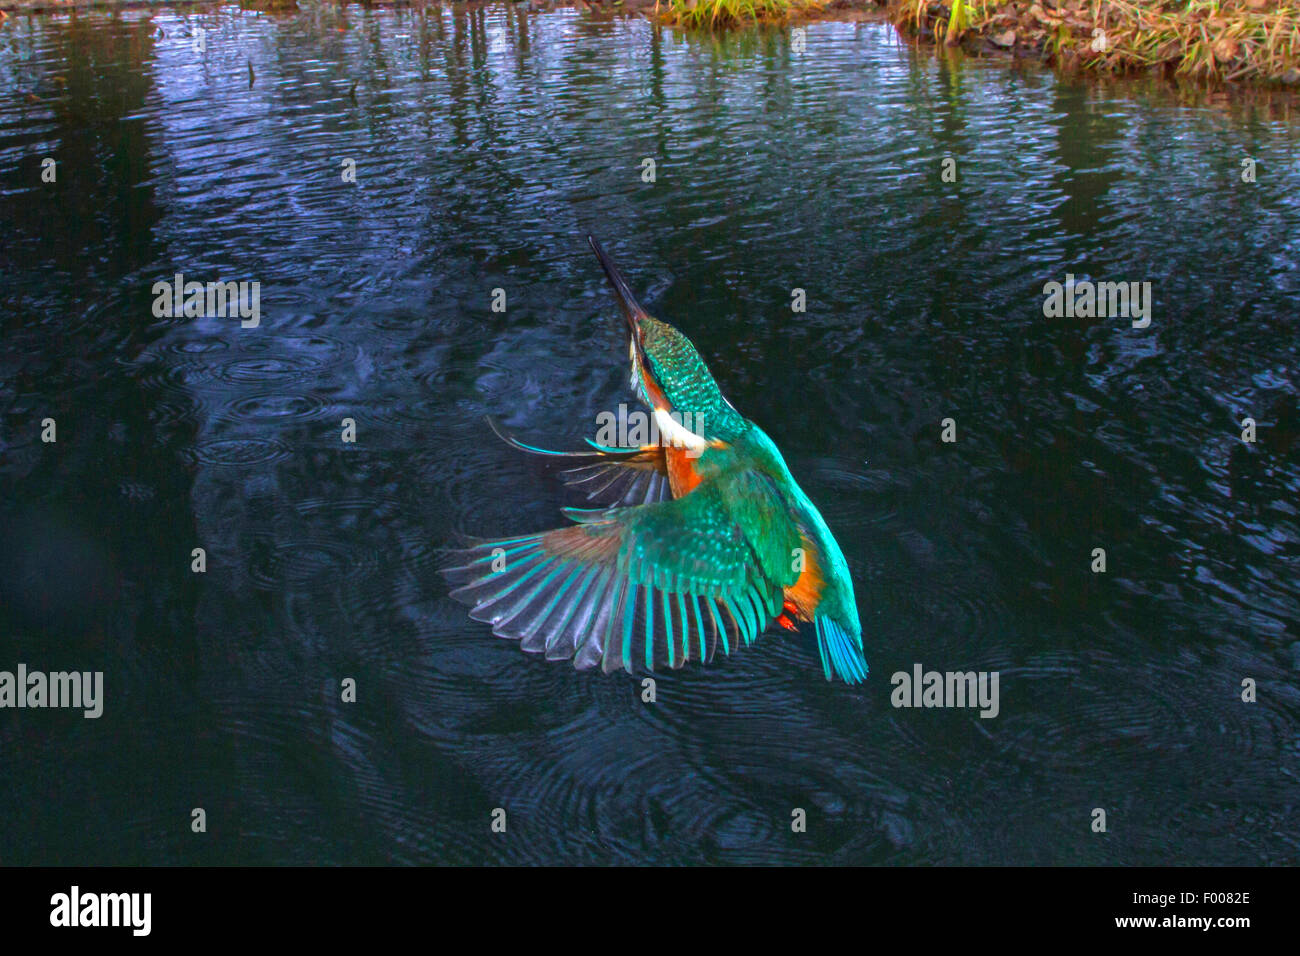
point(839, 651)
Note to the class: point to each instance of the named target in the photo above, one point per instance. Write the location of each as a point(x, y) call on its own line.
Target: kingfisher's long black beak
point(643, 379)
point(632, 310)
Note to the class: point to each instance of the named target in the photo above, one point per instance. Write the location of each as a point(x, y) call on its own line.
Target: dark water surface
point(486, 145)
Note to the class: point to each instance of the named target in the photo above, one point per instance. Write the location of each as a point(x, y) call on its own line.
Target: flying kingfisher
point(698, 540)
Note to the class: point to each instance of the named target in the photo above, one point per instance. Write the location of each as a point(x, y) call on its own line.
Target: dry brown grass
point(1225, 40)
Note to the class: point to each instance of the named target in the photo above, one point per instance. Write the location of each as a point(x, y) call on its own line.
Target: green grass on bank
point(730, 13)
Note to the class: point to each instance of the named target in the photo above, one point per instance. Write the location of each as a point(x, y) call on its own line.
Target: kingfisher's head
point(667, 372)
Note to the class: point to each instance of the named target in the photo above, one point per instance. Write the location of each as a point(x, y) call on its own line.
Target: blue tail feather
point(840, 652)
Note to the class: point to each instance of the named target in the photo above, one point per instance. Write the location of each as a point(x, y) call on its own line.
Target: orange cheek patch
point(657, 396)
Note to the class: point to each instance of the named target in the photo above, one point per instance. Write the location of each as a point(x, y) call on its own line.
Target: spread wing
point(621, 478)
point(648, 585)
point(609, 476)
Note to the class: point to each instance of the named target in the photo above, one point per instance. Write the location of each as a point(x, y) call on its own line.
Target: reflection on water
point(486, 144)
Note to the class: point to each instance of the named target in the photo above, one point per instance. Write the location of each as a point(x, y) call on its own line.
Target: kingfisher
point(697, 540)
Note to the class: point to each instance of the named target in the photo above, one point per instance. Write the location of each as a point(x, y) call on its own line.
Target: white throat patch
point(678, 435)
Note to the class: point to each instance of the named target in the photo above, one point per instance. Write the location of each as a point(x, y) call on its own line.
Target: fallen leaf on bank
point(1226, 49)
point(1042, 16)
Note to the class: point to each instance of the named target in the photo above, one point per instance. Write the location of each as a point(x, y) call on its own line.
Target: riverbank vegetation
point(1227, 40)
point(1255, 41)
point(1213, 39)
point(732, 13)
